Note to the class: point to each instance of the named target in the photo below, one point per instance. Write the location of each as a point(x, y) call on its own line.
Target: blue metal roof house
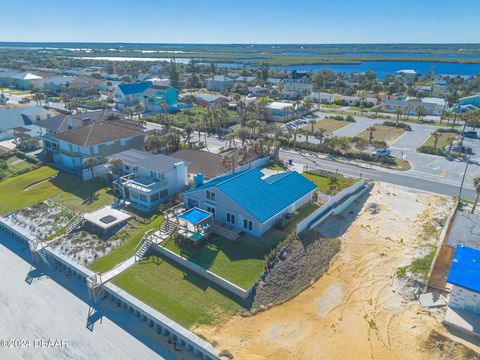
point(464, 275)
point(248, 201)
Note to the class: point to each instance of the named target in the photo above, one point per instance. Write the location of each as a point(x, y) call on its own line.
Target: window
point(163, 193)
point(155, 197)
point(142, 197)
point(153, 174)
point(210, 195)
point(247, 224)
point(211, 210)
point(230, 218)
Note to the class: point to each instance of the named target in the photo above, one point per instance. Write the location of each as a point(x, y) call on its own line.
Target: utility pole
point(463, 179)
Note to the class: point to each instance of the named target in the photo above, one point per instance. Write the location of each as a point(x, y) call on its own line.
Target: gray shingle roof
point(143, 159)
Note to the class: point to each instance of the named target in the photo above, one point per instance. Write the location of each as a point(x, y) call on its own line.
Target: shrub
point(3, 165)
point(430, 150)
point(398, 125)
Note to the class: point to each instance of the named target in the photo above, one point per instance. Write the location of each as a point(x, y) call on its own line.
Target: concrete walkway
point(117, 270)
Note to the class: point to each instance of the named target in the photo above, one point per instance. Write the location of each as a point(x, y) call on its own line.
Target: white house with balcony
point(146, 180)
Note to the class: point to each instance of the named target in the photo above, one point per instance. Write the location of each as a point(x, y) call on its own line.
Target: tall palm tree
point(398, 112)
point(242, 134)
point(476, 184)
point(371, 130)
point(115, 165)
point(153, 142)
point(320, 134)
point(90, 163)
point(436, 136)
point(228, 161)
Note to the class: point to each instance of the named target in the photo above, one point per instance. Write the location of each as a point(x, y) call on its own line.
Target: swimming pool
point(194, 216)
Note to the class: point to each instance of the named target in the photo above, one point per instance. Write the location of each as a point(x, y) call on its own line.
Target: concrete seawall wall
point(154, 319)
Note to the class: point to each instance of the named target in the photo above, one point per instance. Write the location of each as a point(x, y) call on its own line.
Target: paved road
point(423, 165)
point(409, 179)
point(57, 307)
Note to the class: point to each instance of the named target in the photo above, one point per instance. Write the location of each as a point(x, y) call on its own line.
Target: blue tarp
point(465, 268)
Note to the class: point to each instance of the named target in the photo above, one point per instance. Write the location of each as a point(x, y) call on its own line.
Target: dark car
point(470, 134)
point(463, 149)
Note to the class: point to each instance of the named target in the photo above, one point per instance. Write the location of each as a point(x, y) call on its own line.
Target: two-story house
point(248, 201)
point(92, 139)
point(146, 180)
point(151, 97)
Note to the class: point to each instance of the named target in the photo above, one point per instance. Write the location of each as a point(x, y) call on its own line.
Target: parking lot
point(424, 165)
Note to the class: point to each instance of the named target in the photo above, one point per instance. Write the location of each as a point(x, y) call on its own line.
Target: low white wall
point(223, 283)
point(326, 209)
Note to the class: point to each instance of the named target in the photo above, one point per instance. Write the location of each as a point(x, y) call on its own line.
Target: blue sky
point(241, 21)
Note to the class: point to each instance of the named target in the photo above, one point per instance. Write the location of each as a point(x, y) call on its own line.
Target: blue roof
point(465, 268)
point(134, 88)
point(262, 198)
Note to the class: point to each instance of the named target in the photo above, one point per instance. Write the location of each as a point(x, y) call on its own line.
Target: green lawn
point(183, 296)
point(240, 261)
point(65, 189)
point(126, 250)
point(330, 125)
point(444, 139)
point(323, 182)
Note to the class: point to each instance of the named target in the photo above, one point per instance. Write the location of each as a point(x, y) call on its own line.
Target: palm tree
point(115, 165)
point(129, 113)
point(420, 112)
point(90, 163)
point(320, 134)
point(398, 112)
point(476, 184)
point(153, 142)
point(371, 130)
point(242, 134)
point(111, 116)
point(231, 139)
point(436, 136)
point(228, 161)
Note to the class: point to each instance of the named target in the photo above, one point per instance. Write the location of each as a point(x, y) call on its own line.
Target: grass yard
point(240, 261)
point(444, 139)
point(323, 182)
point(330, 125)
point(65, 189)
point(126, 250)
point(383, 133)
point(182, 296)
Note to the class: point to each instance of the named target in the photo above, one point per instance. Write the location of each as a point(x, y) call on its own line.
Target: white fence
point(328, 208)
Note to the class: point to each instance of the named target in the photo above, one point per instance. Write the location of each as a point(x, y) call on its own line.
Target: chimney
point(198, 180)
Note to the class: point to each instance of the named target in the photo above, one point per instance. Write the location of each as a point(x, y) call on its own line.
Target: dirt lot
point(389, 134)
point(356, 310)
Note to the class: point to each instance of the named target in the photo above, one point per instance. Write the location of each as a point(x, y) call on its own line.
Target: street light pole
point(463, 179)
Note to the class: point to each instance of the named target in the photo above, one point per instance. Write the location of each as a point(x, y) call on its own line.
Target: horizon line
point(238, 43)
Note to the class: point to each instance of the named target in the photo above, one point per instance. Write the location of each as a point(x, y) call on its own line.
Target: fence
point(223, 283)
point(154, 319)
point(338, 201)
